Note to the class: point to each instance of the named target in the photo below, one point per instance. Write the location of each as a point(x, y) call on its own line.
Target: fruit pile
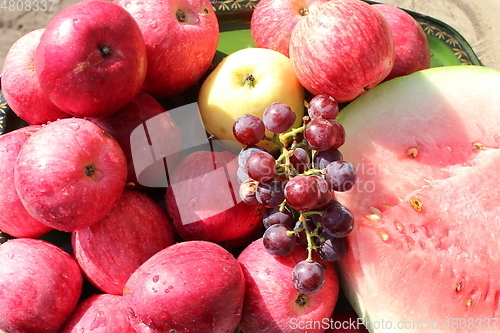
point(202, 218)
point(292, 185)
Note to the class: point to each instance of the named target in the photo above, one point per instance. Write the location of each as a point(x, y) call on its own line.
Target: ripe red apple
point(70, 174)
point(14, 219)
point(181, 38)
point(20, 85)
point(411, 46)
point(343, 48)
point(272, 22)
point(99, 313)
point(40, 285)
point(203, 199)
point(163, 132)
point(192, 286)
point(91, 60)
point(110, 250)
point(272, 304)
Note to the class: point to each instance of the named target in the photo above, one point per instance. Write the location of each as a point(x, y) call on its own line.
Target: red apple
point(272, 22)
point(145, 112)
point(20, 85)
point(70, 174)
point(411, 46)
point(110, 250)
point(181, 38)
point(40, 285)
point(14, 219)
point(272, 304)
point(91, 60)
point(100, 313)
point(192, 286)
point(343, 48)
point(203, 199)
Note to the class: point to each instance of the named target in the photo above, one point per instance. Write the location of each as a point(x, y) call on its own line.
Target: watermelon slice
point(425, 253)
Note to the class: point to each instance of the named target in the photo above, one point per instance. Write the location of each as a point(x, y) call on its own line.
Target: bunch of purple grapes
point(297, 182)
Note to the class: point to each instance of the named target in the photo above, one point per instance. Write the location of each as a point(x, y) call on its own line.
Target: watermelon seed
point(385, 236)
point(412, 152)
point(375, 211)
point(416, 204)
point(469, 302)
point(459, 286)
point(477, 146)
point(373, 217)
point(399, 227)
point(448, 148)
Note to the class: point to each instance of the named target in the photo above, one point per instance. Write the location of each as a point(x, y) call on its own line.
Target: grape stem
point(312, 172)
point(285, 136)
point(309, 236)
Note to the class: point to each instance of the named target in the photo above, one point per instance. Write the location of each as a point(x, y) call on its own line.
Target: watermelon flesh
point(425, 252)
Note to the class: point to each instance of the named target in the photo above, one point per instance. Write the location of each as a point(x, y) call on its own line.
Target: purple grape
point(339, 132)
point(249, 129)
point(301, 235)
point(261, 166)
point(300, 160)
point(247, 192)
point(245, 154)
point(333, 248)
point(308, 277)
point(326, 195)
point(277, 241)
point(278, 117)
point(320, 134)
point(324, 106)
point(337, 221)
point(340, 175)
point(275, 216)
point(302, 192)
point(325, 157)
point(241, 175)
point(270, 193)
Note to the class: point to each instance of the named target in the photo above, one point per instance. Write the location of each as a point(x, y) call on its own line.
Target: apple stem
point(89, 170)
point(105, 51)
point(181, 17)
point(249, 81)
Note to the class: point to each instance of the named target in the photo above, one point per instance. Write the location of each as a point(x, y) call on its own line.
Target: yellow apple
point(247, 81)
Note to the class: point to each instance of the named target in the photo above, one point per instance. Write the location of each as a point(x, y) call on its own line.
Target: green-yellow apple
point(247, 81)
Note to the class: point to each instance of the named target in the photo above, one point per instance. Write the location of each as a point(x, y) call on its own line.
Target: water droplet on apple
point(74, 126)
point(156, 278)
point(10, 255)
point(167, 291)
point(153, 24)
